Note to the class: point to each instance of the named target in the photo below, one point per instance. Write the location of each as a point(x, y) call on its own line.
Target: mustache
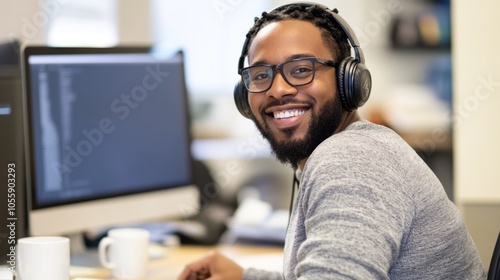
point(284, 101)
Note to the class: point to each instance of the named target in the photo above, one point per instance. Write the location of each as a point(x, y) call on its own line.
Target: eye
point(301, 71)
point(260, 74)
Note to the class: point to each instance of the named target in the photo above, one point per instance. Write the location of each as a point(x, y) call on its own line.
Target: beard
point(322, 125)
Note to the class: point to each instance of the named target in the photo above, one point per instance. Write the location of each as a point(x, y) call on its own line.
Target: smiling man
point(367, 206)
point(295, 119)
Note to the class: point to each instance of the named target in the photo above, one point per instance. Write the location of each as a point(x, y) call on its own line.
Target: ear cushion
point(354, 83)
point(341, 82)
point(241, 100)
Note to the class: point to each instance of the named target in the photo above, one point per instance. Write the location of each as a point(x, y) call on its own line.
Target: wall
point(23, 20)
point(134, 24)
point(475, 121)
point(28, 20)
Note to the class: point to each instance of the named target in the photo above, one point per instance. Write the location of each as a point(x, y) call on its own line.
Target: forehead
point(279, 41)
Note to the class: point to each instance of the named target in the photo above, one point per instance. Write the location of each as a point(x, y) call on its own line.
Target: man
point(367, 206)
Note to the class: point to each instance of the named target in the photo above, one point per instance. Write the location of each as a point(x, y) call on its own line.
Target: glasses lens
point(257, 78)
point(299, 72)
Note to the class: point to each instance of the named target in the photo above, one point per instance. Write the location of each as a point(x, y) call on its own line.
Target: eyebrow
point(295, 56)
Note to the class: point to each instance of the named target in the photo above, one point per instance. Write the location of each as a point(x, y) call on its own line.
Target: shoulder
point(361, 143)
point(366, 158)
point(363, 133)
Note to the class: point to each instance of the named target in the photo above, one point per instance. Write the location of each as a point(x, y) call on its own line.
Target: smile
point(288, 113)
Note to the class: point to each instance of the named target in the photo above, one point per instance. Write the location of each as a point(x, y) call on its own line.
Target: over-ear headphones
point(353, 77)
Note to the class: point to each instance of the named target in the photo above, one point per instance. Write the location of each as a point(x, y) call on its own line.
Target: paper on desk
point(257, 220)
point(271, 262)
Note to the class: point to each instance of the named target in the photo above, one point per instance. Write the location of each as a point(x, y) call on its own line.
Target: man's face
point(294, 119)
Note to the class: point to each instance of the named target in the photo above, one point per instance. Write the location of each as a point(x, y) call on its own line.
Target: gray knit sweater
point(369, 208)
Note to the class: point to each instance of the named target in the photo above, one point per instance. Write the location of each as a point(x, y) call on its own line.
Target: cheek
point(326, 88)
point(255, 101)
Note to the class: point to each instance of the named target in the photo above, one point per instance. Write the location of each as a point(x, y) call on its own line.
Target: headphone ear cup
point(241, 100)
point(341, 83)
point(354, 83)
point(362, 84)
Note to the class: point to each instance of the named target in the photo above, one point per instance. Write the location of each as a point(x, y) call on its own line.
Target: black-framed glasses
point(296, 72)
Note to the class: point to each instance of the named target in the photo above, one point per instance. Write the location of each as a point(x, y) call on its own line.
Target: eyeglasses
point(296, 72)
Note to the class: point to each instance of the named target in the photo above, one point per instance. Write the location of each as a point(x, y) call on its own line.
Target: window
point(211, 33)
point(82, 23)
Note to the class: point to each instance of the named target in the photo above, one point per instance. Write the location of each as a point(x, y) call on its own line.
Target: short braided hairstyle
point(333, 34)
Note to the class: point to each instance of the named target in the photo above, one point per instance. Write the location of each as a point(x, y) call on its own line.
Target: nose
point(280, 88)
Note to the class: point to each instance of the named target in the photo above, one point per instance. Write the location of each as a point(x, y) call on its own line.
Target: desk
point(171, 265)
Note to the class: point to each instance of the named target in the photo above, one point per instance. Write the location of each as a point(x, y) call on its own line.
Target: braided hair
point(332, 34)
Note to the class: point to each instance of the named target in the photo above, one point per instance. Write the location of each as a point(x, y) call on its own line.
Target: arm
point(372, 209)
point(217, 266)
point(349, 234)
point(256, 274)
point(353, 214)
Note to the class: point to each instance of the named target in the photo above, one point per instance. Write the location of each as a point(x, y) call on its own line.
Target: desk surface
point(170, 266)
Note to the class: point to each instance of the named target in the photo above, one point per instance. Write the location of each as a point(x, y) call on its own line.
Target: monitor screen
point(107, 134)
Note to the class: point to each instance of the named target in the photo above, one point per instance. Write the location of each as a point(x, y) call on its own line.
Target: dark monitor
point(107, 138)
point(12, 195)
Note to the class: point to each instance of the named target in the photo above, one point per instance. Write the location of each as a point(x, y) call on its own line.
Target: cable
point(295, 185)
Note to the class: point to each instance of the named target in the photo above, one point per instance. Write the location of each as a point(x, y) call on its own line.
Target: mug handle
point(103, 245)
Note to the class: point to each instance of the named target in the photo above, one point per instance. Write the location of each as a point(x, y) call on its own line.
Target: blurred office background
point(434, 67)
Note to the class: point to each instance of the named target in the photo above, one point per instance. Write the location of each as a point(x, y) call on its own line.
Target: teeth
point(288, 114)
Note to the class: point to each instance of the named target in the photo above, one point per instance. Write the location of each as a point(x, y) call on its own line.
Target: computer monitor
point(107, 138)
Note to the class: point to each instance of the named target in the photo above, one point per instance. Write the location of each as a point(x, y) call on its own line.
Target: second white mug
point(125, 252)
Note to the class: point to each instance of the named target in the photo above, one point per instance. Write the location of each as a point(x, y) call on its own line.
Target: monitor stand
point(80, 254)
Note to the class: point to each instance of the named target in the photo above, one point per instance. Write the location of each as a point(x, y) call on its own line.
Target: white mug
point(43, 258)
point(125, 252)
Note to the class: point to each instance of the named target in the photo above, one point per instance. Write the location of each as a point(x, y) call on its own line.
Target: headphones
point(354, 81)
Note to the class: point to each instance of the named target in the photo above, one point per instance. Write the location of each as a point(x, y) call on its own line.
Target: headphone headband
point(351, 36)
